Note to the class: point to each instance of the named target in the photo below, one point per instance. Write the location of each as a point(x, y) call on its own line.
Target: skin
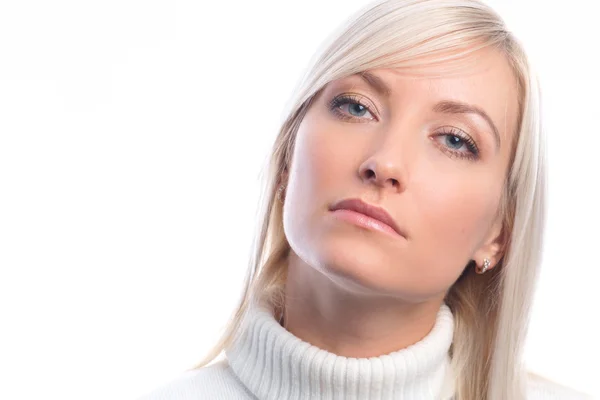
point(358, 292)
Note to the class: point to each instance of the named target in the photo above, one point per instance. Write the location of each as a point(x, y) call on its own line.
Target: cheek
point(316, 158)
point(456, 211)
point(323, 159)
point(317, 166)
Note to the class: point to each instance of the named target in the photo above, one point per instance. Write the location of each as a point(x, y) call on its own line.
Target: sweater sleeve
point(215, 382)
point(539, 388)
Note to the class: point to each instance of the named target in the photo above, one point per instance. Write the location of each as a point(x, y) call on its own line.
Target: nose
point(383, 169)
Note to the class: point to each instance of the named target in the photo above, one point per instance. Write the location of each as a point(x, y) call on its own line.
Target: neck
point(274, 364)
point(350, 322)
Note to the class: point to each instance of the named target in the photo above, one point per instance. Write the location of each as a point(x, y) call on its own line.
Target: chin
point(354, 257)
point(364, 264)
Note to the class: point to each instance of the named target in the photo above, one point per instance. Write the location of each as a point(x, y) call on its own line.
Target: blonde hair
point(491, 310)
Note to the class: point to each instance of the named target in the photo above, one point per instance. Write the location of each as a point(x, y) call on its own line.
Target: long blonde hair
point(491, 310)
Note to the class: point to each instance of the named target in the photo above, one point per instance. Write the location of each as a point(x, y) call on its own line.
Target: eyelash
point(466, 139)
point(335, 103)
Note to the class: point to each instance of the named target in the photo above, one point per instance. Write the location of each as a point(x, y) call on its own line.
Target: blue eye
point(455, 140)
point(351, 108)
point(356, 109)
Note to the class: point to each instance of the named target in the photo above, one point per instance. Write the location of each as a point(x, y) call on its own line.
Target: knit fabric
point(267, 362)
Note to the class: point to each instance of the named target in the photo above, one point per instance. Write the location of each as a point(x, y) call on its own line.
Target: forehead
point(485, 80)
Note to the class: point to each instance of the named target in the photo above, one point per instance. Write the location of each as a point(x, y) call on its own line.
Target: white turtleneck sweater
point(267, 362)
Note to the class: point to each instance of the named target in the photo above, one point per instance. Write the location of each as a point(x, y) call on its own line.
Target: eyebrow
point(376, 83)
point(455, 107)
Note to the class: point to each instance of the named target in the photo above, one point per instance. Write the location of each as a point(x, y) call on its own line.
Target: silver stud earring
point(486, 265)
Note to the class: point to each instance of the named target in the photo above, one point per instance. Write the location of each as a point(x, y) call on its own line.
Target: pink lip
point(369, 216)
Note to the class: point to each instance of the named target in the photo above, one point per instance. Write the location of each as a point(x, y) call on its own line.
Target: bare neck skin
point(349, 324)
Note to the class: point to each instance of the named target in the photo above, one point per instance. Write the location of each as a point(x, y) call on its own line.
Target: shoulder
point(216, 381)
point(540, 388)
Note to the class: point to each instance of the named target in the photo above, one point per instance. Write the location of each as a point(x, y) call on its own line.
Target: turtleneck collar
point(274, 364)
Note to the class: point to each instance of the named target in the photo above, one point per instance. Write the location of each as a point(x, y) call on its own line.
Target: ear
point(493, 246)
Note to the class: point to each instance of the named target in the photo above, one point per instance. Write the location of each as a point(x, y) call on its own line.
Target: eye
point(457, 143)
point(350, 107)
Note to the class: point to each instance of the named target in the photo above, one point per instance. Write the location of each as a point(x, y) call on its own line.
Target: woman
point(403, 223)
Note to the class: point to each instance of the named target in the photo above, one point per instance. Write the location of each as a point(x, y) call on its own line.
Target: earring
point(486, 265)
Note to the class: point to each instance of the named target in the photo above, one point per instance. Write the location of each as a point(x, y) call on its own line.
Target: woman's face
point(432, 152)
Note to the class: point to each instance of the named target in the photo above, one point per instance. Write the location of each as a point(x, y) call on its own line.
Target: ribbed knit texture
point(267, 362)
point(274, 364)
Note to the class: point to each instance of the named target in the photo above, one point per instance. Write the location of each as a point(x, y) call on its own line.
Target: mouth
point(366, 215)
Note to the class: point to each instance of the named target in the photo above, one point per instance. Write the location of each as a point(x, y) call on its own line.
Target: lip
point(367, 215)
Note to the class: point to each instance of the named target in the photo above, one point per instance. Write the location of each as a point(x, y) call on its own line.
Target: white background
point(132, 134)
